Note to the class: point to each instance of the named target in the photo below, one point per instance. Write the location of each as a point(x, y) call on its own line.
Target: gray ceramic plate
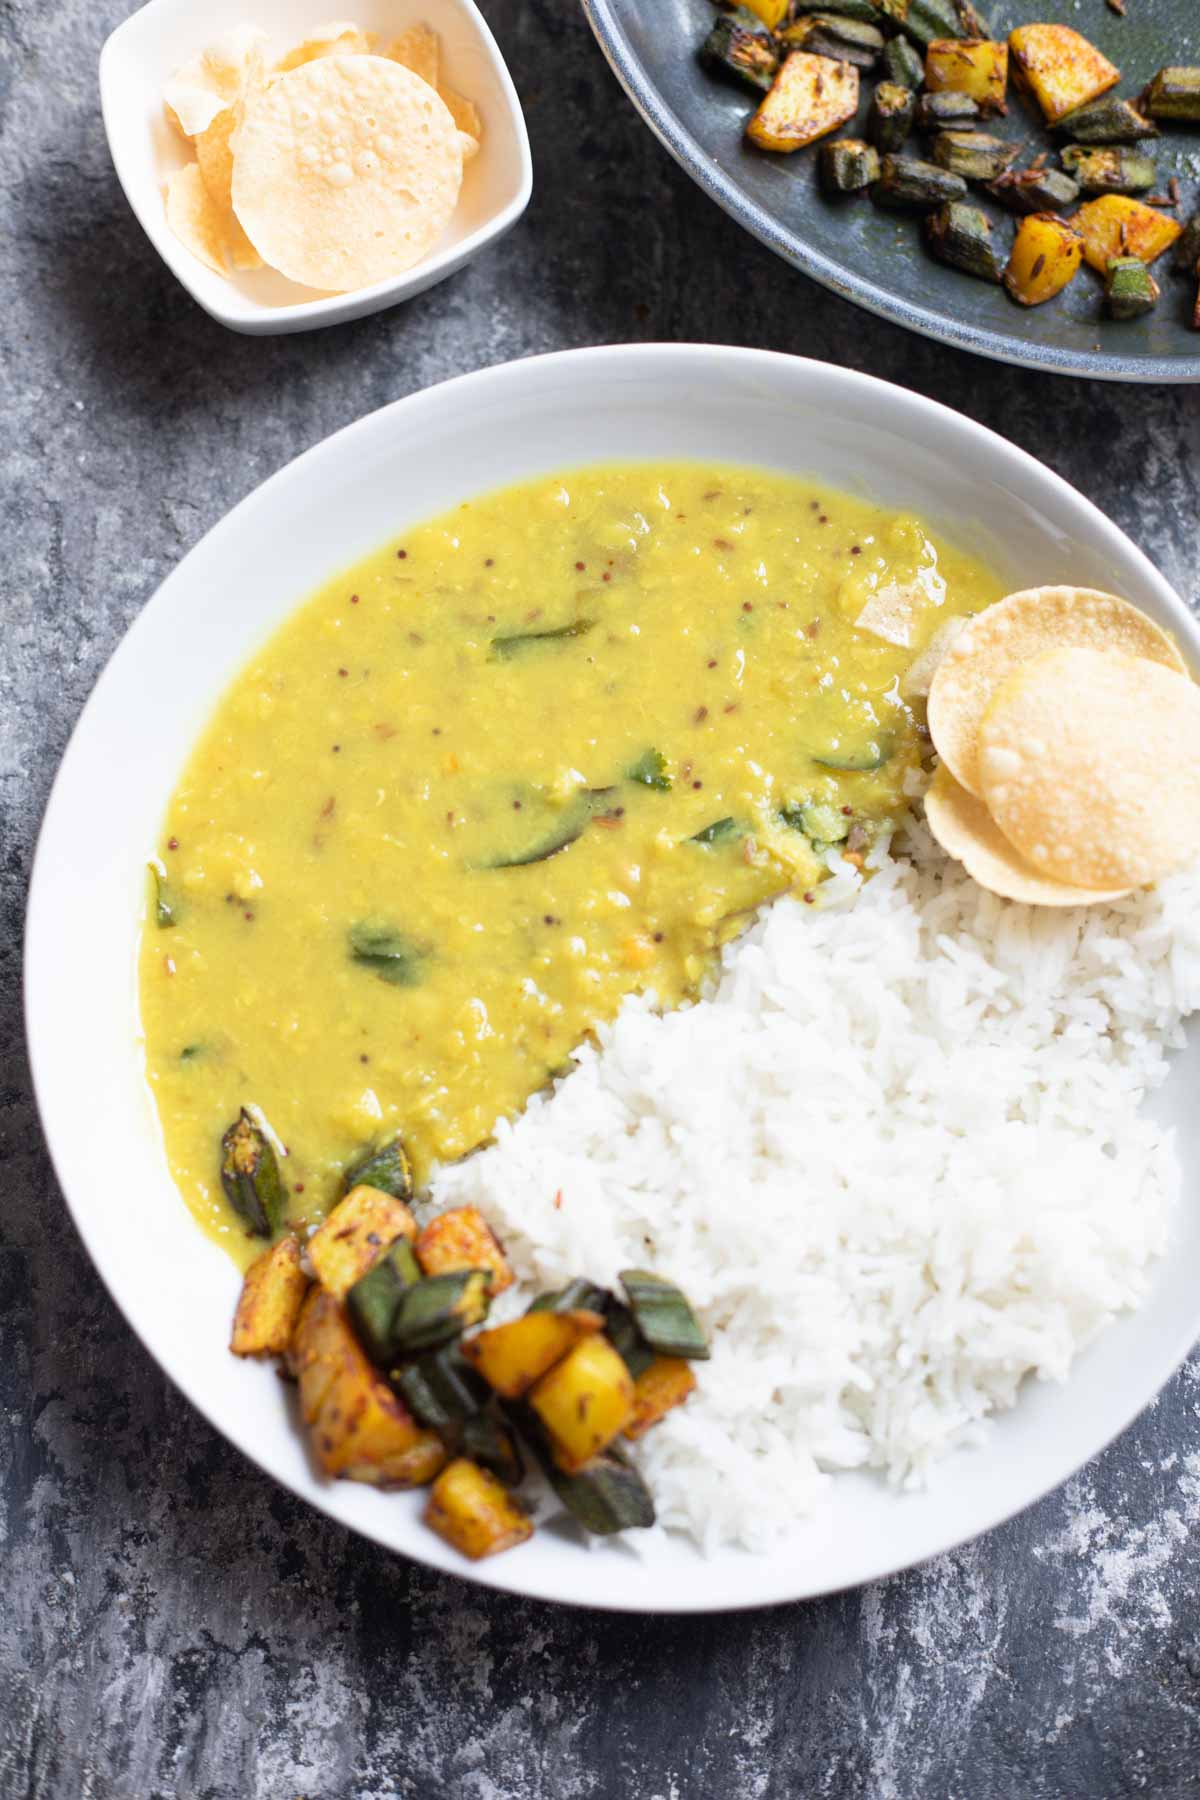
point(877, 259)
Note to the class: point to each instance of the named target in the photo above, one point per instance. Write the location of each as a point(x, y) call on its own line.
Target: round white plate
point(332, 505)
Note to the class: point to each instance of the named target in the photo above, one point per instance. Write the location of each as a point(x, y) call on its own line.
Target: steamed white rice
point(895, 1159)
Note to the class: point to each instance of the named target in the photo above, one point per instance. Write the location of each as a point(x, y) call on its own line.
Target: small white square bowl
point(141, 54)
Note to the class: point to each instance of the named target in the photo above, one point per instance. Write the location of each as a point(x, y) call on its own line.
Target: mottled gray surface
point(171, 1623)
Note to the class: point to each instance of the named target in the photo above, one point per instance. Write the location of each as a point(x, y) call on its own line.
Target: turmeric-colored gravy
point(542, 752)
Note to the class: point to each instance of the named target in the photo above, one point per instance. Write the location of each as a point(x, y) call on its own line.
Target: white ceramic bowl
point(335, 503)
point(141, 53)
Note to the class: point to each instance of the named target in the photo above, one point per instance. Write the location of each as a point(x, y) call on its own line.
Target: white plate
point(143, 52)
point(354, 491)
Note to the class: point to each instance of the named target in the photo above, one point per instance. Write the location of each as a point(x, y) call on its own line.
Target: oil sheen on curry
point(548, 750)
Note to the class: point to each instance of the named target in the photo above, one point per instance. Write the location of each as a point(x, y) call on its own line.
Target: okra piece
point(437, 1309)
point(166, 907)
point(620, 1328)
point(1115, 171)
point(866, 11)
point(972, 21)
point(250, 1176)
point(606, 1495)
point(910, 186)
point(441, 1389)
point(924, 21)
point(579, 1295)
point(961, 235)
point(488, 1441)
point(1035, 190)
point(375, 1297)
point(719, 832)
point(1107, 121)
point(1129, 288)
point(387, 1168)
point(902, 63)
point(1174, 93)
point(740, 47)
point(847, 165)
point(893, 109)
point(1186, 255)
point(937, 112)
point(973, 154)
point(843, 40)
point(663, 1315)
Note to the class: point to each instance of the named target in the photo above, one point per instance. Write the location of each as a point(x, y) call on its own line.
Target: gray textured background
point(171, 1624)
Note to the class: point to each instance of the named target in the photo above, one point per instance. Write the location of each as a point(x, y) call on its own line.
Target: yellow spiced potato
point(462, 1239)
point(473, 1511)
point(272, 1294)
point(1045, 256)
point(512, 1357)
point(975, 67)
point(810, 97)
point(665, 1384)
point(1059, 68)
point(355, 1234)
point(1114, 225)
point(584, 1402)
point(359, 1428)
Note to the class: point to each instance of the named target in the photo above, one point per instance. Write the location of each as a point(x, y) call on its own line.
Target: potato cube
point(584, 1402)
point(354, 1236)
point(474, 1512)
point(810, 97)
point(1114, 225)
point(975, 67)
point(462, 1239)
point(272, 1295)
point(666, 1383)
point(512, 1357)
point(360, 1429)
point(771, 12)
point(1046, 254)
point(1060, 68)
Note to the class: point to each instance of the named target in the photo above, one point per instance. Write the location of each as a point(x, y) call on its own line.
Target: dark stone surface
point(172, 1624)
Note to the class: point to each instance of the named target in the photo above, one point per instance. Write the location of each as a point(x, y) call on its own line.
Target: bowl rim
point(999, 346)
point(1014, 468)
point(251, 316)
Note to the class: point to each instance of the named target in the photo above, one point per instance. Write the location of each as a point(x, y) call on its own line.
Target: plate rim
point(712, 179)
point(38, 967)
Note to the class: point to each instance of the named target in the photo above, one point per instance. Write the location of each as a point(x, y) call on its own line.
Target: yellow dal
point(378, 754)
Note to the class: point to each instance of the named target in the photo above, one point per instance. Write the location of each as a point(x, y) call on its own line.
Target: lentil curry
point(550, 749)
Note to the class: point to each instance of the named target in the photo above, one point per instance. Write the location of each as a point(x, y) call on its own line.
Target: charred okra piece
point(663, 1315)
point(441, 1388)
point(1107, 121)
point(740, 46)
point(250, 1176)
point(437, 1309)
point(890, 119)
point(606, 1495)
point(975, 67)
point(488, 1441)
point(1174, 94)
point(961, 235)
point(865, 11)
point(971, 20)
point(387, 1169)
point(622, 1332)
point(1116, 171)
point(910, 186)
point(902, 63)
point(940, 112)
point(841, 39)
point(373, 1300)
point(1034, 190)
point(1186, 255)
point(924, 21)
point(1129, 288)
point(847, 166)
point(973, 155)
point(1045, 256)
